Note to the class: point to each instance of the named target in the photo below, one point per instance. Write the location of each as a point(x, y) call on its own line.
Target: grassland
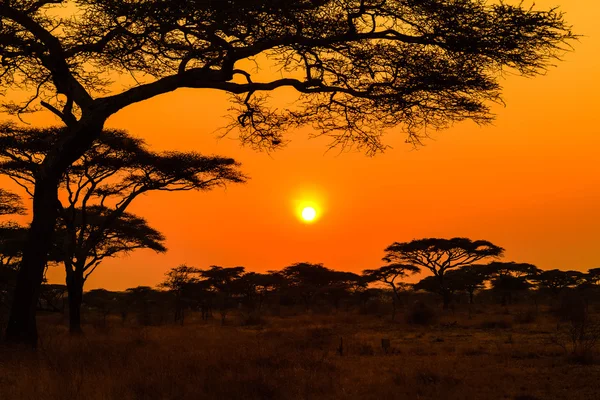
point(489, 353)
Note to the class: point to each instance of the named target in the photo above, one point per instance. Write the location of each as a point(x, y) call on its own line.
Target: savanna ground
point(489, 353)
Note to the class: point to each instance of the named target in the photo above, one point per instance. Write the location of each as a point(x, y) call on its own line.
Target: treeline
point(217, 292)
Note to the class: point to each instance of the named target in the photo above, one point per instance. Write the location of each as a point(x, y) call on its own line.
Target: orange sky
point(529, 183)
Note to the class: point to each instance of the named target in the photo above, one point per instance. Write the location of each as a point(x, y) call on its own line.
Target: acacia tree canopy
point(360, 66)
point(10, 203)
point(441, 255)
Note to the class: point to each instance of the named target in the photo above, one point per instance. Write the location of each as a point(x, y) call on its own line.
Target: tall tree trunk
point(75, 291)
point(21, 326)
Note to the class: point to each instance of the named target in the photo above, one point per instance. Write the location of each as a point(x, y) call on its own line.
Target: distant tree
point(224, 285)
point(441, 255)
point(258, 287)
point(52, 297)
point(87, 240)
point(308, 280)
point(179, 281)
point(145, 302)
point(593, 276)
point(391, 275)
point(10, 203)
point(99, 187)
point(12, 237)
point(467, 279)
point(359, 67)
point(556, 280)
point(508, 278)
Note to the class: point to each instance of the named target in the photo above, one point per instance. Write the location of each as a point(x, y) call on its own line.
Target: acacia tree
point(359, 66)
point(224, 285)
point(307, 280)
point(466, 279)
point(389, 274)
point(98, 188)
point(97, 241)
point(510, 277)
point(10, 203)
point(441, 255)
point(593, 276)
point(178, 281)
point(258, 286)
point(556, 280)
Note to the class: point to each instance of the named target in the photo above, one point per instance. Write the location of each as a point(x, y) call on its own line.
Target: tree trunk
point(75, 291)
point(21, 326)
point(471, 297)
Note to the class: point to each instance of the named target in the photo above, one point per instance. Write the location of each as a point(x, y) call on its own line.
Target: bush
point(421, 314)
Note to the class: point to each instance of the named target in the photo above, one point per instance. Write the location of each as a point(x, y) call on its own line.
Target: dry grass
point(486, 356)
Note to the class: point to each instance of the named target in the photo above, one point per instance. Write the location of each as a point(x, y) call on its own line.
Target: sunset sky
point(529, 183)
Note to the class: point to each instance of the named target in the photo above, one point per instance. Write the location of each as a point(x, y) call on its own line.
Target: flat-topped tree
point(508, 278)
point(441, 255)
point(85, 241)
point(593, 276)
point(359, 67)
point(557, 280)
point(391, 275)
point(10, 203)
point(99, 187)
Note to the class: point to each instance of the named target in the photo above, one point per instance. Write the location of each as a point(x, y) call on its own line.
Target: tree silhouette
point(82, 247)
point(441, 255)
point(178, 281)
point(556, 280)
point(359, 67)
point(466, 279)
point(307, 280)
point(593, 276)
point(225, 285)
point(510, 277)
point(389, 274)
point(93, 222)
point(256, 287)
point(10, 203)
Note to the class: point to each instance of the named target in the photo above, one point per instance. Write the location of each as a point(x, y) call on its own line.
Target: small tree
point(257, 287)
point(87, 240)
point(179, 281)
point(508, 278)
point(441, 255)
point(307, 281)
point(466, 279)
point(556, 280)
point(10, 203)
point(593, 276)
point(390, 275)
point(224, 284)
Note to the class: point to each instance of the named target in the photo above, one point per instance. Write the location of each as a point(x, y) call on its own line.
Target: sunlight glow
point(309, 214)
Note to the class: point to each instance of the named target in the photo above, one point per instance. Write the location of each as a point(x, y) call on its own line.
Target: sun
point(309, 214)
